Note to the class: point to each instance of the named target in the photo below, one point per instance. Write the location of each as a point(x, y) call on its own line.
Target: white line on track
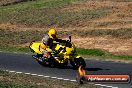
point(46, 76)
point(53, 77)
point(19, 72)
point(66, 79)
point(27, 73)
point(15, 52)
point(33, 74)
point(57, 78)
point(73, 80)
point(12, 71)
point(105, 86)
point(40, 75)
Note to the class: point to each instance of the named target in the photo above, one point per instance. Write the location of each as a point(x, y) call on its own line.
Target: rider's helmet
point(52, 33)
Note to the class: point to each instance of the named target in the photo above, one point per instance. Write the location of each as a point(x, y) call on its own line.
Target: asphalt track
point(24, 63)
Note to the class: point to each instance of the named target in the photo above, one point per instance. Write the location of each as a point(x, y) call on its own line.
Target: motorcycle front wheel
point(77, 62)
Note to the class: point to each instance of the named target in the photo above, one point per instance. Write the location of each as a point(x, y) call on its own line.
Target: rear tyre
point(52, 62)
point(64, 65)
point(77, 62)
point(80, 79)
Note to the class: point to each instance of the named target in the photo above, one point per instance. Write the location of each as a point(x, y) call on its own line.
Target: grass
point(10, 85)
point(12, 40)
point(123, 57)
point(91, 52)
point(124, 33)
point(114, 22)
point(12, 80)
point(84, 52)
point(48, 13)
point(7, 84)
point(102, 54)
point(15, 38)
point(15, 12)
point(15, 49)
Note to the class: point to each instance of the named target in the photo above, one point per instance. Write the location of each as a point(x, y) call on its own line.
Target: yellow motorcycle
point(61, 54)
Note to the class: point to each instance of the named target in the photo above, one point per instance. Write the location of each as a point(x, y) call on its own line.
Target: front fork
point(76, 56)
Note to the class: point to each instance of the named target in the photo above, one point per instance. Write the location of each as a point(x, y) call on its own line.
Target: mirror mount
point(70, 38)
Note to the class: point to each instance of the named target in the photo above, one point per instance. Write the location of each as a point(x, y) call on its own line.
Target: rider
point(49, 40)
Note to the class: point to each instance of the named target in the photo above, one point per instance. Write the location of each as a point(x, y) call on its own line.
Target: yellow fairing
point(39, 47)
point(35, 47)
point(44, 48)
point(66, 56)
point(48, 50)
point(78, 56)
point(69, 50)
point(57, 47)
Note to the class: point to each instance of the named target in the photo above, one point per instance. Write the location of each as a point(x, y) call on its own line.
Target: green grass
point(15, 12)
point(15, 49)
point(86, 52)
point(36, 4)
point(123, 57)
point(10, 85)
point(91, 52)
point(10, 38)
point(101, 53)
point(48, 13)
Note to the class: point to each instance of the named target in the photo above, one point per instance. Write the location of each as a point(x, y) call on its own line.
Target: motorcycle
point(60, 55)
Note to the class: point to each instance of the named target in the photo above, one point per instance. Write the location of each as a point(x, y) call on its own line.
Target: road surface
point(26, 64)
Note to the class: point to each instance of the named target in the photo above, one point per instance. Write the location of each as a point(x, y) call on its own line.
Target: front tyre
point(77, 62)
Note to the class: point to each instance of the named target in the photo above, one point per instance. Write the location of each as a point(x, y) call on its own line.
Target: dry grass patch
point(7, 26)
point(113, 45)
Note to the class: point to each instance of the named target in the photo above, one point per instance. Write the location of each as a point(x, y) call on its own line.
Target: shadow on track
point(70, 67)
point(95, 69)
point(87, 69)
